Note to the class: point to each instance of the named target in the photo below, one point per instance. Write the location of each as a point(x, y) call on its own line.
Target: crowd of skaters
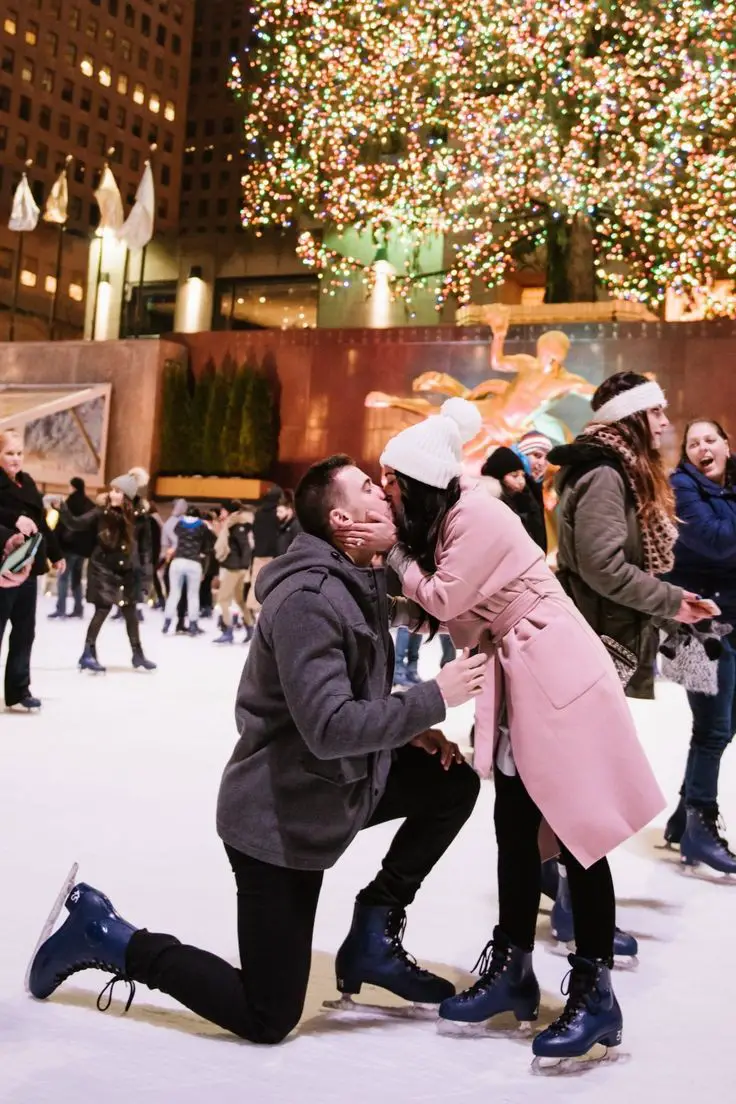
point(638, 553)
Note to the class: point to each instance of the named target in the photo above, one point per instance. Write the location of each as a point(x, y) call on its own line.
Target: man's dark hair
point(316, 495)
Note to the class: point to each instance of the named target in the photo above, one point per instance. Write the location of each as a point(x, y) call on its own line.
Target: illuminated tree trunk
point(570, 261)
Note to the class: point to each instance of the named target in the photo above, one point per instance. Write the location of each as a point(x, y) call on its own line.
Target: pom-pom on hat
point(432, 451)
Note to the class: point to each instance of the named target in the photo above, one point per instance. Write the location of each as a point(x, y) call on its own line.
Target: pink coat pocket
point(564, 661)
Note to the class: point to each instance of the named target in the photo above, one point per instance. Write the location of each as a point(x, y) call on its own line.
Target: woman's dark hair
point(419, 524)
point(117, 524)
point(194, 511)
point(652, 484)
point(730, 464)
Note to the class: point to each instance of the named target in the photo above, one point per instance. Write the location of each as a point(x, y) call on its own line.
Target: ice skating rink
point(120, 773)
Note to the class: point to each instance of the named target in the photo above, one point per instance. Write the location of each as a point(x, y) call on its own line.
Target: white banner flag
point(137, 230)
point(57, 205)
point(26, 211)
point(110, 202)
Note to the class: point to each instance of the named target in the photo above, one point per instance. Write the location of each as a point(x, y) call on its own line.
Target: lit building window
point(123, 84)
point(76, 292)
point(139, 93)
point(170, 110)
point(105, 76)
point(32, 34)
point(27, 71)
point(154, 104)
point(87, 65)
point(50, 284)
point(28, 278)
point(10, 24)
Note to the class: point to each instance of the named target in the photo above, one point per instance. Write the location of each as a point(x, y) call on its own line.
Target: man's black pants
point(262, 1001)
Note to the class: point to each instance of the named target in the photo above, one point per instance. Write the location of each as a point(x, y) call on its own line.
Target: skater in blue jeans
point(705, 562)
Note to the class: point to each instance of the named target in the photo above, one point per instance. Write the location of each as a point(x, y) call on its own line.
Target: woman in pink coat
point(552, 718)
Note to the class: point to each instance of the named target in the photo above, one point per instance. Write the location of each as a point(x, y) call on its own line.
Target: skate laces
point(395, 928)
point(105, 998)
point(579, 988)
point(492, 961)
point(716, 825)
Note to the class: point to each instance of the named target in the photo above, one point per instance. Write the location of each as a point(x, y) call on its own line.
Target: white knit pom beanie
point(432, 450)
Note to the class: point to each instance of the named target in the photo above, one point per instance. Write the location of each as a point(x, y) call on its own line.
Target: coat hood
point(580, 453)
point(309, 554)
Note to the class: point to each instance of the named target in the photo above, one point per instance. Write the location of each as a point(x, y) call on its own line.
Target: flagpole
point(16, 276)
point(16, 286)
point(57, 276)
point(98, 277)
point(123, 302)
point(139, 304)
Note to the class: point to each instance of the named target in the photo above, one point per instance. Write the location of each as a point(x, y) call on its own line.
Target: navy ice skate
point(373, 954)
point(29, 703)
point(591, 1017)
point(674, 829)
point(226, 637)
point(625, 945)
point(702, 843)
point(140, 663)
point(92, 937)
point(507, 984)
point(89, 662)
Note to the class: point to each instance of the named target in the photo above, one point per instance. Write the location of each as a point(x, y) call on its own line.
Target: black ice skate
point(373, 954)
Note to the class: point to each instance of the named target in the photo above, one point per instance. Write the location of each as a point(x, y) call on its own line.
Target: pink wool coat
point(572, 735)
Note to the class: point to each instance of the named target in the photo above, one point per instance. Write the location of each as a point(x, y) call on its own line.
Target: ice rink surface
point(120, 773)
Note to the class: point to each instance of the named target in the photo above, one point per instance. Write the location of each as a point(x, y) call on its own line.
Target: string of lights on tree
point(492, 123)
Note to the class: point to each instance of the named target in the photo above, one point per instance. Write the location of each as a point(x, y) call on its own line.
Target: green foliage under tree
point(222, 423)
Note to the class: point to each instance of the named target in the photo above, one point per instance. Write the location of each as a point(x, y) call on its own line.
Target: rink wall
point(323, 376)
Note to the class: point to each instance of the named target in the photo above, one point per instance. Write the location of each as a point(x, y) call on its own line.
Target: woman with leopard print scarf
point(617, 527)
point(616, 532)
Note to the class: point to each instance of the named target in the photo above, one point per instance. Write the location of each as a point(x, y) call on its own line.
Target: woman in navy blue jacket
point(705, 562)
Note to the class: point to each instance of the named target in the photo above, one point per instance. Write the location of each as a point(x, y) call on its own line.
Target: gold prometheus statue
point(509, 408)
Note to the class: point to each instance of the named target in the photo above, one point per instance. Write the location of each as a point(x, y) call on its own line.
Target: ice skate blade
point(703, 873)
point(53, 916)
point(570, 1067)
point(347, 1006)
point(484, 1029)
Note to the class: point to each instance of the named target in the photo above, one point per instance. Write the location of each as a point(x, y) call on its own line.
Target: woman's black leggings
point(99, 617)
point(517, 821)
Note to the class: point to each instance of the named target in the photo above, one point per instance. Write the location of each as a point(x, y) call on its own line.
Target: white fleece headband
point(642, 397)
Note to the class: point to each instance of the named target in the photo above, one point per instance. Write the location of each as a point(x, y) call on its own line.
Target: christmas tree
point(604, 131)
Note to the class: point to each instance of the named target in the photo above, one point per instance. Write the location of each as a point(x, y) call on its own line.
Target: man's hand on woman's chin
point(376, 534)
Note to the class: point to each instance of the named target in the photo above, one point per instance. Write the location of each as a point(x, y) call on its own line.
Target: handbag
point(690, 657)
point(625, 661)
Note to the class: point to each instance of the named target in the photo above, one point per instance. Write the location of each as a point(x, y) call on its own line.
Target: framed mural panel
point(64, 429)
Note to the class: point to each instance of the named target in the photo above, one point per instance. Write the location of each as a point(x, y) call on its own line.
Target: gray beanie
point(128, 484)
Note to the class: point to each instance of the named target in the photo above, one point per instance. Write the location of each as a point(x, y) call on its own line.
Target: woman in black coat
point(111, 575)
point(21, 509)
